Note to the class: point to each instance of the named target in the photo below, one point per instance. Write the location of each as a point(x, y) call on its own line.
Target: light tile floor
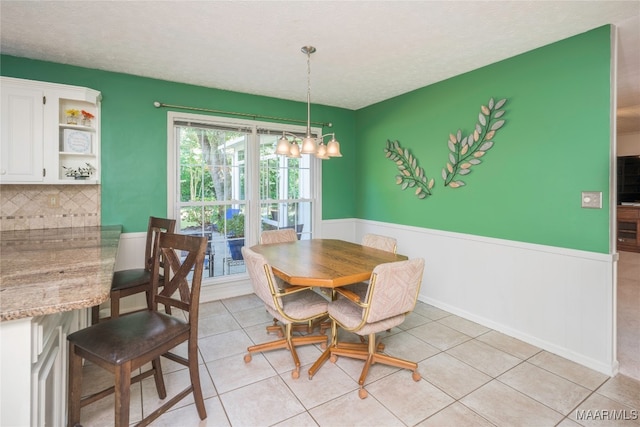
point(471, 376)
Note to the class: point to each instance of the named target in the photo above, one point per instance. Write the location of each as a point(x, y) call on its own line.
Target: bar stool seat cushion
point(128, 337)
point(129, 278)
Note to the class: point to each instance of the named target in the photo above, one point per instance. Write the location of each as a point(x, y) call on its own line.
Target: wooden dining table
point(327, 263)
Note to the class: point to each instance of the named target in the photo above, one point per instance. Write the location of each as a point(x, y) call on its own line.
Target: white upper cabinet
point(22, 111)
point(50, 133)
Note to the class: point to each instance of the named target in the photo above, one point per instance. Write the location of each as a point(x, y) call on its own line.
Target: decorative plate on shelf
point(77, 141)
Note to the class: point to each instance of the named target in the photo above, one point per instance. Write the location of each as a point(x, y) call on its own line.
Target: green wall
point(554, 145)
point(134, 136)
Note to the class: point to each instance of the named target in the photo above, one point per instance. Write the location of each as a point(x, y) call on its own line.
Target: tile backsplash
point(27, 207)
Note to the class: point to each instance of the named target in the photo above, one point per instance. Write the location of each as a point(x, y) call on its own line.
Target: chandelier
point(308, 144)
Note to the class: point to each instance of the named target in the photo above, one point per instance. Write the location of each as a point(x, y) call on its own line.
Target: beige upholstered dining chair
point(392, 294)
point(125, 344)
point(282, 235)
point(384, 243)
point(295, 304)
point(376, 241)
point(267, 237)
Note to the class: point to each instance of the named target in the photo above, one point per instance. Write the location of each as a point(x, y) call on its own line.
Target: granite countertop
point(56, 269)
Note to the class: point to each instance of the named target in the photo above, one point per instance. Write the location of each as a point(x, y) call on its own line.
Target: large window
point(229, 185)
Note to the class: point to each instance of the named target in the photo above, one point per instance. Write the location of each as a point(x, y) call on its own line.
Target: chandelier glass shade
point(288, 143)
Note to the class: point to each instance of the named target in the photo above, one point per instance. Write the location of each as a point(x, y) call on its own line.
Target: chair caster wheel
point(295, 374)
point(323, 346)
point(416, 376)
point(333, 358)
point(247, 358)
point(362, 393)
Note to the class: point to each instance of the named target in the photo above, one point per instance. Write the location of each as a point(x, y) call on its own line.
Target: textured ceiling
point(368, 51)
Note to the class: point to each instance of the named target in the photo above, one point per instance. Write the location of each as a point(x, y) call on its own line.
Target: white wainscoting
point(558, 299)
point(131, 251)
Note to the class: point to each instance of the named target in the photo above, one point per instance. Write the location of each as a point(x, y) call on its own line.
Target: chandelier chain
point(309, 52)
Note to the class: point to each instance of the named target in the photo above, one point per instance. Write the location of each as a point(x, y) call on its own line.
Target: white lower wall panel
point(131, 251)
point(558, 299)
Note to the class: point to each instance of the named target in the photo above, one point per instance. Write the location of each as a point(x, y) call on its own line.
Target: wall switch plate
point(592, 199)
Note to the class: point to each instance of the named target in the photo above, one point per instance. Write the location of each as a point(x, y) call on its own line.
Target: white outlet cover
point(592, 199)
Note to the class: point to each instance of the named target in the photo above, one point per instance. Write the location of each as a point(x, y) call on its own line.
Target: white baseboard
point(225, 290)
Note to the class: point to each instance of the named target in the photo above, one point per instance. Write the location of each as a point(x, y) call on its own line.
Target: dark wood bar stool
point(136, 280)
point(127, 343)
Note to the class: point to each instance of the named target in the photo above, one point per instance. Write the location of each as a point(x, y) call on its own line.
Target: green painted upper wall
point(134, 136)
point(554, 145)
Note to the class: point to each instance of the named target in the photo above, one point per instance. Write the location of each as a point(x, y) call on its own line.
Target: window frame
point(252, 171)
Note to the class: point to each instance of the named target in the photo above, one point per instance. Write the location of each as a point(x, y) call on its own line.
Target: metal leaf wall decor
point(411, 175)
point(465, 153)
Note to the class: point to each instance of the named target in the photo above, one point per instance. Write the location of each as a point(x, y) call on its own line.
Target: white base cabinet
point(50, 133)
point(33, 368)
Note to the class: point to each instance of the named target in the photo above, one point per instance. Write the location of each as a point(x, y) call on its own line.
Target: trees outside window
point(229, 185)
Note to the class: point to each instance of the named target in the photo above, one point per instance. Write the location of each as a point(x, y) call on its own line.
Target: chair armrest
point(352, 296)
point(291, 289)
